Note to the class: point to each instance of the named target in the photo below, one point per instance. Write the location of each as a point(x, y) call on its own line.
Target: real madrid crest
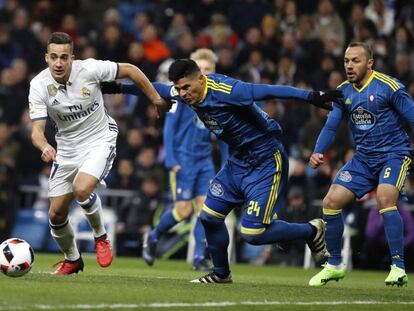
point(86, 92)
point(52, 90)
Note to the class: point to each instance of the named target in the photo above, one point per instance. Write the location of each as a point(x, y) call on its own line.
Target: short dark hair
point(368, 50)
point(60, 38)
point(181, 68)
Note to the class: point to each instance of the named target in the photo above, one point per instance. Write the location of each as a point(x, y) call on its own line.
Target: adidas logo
point(55, 102)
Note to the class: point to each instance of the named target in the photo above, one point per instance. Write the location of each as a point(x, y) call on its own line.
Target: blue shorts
point(192, 180)
point(362, 173)
point(260, 189)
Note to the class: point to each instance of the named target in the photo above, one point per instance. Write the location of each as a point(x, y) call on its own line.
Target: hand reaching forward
point(315, 160)
point(324, 99)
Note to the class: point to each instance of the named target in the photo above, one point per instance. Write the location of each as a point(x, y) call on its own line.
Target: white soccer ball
point(16, 257)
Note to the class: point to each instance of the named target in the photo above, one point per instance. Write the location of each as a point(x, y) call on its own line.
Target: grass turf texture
point(131, 285)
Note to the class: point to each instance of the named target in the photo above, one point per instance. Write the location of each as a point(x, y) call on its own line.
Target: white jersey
point(76, 107)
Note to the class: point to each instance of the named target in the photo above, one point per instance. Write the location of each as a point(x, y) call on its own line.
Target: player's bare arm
point(138, 77)
point(40, 142)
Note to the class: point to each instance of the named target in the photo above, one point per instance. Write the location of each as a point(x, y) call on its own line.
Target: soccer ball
point(16, 257)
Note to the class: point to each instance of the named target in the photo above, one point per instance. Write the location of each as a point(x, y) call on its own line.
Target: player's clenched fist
point(162, 105)
point(48, 154)
point(315, 160)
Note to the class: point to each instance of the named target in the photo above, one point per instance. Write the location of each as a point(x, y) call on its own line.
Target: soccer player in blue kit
point(188, 156)
point(375, 105)
point(255, 174)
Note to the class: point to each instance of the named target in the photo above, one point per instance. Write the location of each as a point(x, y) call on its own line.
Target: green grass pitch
point(130, 285)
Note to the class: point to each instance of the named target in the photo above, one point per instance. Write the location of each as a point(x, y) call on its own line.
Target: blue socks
point(200, 240)
point(278, 231)
point(217, 241)
point(167, 221)
point(394, 231)
point(333, 235)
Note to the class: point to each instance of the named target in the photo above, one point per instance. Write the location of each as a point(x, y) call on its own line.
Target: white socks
point(65, 239)
point(92, 208)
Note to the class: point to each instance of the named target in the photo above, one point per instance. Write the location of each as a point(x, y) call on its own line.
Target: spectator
point(328, 23)
point(382, 15)
point(155, 50)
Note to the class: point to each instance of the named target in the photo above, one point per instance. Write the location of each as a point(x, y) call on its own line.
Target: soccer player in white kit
point(68, 92)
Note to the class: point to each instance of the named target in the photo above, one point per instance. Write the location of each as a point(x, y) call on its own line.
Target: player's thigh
point(97, 160)
point(224, 192)
point(59, 207)
point(83, 185)
point(61, 178)
point(183, 208)
point(199, 201)
point(394, 171)
point(265, 189)
point(337, 197)
point(182, 183)
point(387, 195)
point(204, 176)
point(357, 177)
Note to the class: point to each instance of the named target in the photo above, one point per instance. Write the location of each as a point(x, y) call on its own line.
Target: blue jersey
point(228, 110)
point(375, 115)
point(185, 136)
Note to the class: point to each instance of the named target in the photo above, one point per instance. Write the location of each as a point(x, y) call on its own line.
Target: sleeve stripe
point(394, 85)
point(385, 77)
point(117, 71)
point(222, 85)
point(218, 89)
point(40, 118)
point(388, 83)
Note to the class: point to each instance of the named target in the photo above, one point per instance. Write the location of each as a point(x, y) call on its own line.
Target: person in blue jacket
point(188, 157)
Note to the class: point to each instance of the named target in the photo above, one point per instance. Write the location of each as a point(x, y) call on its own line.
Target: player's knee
point(183, 210)
point(210, 220)
point(81, 193)
point(57, 217)
point(254, 239)
point(330, 203)
point(385, 201)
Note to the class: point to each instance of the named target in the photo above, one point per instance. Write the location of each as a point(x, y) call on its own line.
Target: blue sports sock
point(217, 241)
point(167, 221)
point(200, 240)
point(394, 231)
point(333, 236)
point(280, 231)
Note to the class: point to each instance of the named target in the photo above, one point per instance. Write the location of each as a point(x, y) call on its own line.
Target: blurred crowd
point(289, 42)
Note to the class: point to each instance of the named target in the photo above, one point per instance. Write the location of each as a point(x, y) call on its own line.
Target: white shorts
point(96, 161)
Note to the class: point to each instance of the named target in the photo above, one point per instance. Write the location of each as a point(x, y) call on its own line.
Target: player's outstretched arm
point(40, 142)
point(138, 77)
point(320, 99)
